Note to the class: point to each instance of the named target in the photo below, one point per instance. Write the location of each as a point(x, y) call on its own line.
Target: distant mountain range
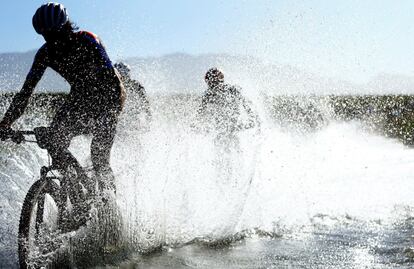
point(183, 73)
point(14, 68)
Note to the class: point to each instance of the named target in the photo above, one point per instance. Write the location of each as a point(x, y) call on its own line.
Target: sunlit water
point(337, 197)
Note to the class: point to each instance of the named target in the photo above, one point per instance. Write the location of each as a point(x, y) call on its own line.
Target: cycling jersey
point(222, 106)
point(82, 61)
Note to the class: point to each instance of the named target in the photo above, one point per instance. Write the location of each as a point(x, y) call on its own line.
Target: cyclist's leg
point(68, 123)
point(102, 141)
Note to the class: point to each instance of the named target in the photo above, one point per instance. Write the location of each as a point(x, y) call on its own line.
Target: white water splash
point(174, 186)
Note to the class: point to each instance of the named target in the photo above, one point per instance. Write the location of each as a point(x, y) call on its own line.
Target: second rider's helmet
point(123, 69)
point(214, 75)
point(50, 17)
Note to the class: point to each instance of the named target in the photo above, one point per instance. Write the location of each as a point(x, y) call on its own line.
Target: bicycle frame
point(59, 187)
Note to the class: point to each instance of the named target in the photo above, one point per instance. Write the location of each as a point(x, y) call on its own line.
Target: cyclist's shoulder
point(42, 52)
point(88, 36)
point(132, 83)
point(236, 91)
point(42, 49)
point(209, 93)
point(233, 88)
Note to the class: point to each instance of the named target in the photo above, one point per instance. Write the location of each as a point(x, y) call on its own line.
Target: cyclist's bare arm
point(21, 99)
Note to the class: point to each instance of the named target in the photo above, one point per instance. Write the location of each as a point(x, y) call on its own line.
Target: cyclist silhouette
point(96, 96)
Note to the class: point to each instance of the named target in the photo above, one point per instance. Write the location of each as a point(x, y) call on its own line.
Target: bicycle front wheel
point(38, 219)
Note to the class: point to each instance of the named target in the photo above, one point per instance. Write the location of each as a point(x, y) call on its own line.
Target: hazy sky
point(346, 39)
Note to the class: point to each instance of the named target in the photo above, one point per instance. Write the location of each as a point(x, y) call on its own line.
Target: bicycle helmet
point(49, 17)
point(214, 75)
point(123, 69)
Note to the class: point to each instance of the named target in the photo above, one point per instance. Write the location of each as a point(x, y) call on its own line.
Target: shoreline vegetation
point(388, 115)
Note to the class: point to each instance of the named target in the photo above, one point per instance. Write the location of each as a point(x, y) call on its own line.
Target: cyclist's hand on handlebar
point(5, 132)
point(17, 137)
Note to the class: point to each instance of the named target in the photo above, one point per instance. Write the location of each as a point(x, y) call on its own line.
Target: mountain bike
point(57, 203)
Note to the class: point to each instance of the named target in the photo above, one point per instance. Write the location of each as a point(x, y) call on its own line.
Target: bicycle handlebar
point(26, 132)
point(16, 136)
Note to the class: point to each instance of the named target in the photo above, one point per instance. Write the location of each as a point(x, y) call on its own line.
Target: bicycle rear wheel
point(40, 216)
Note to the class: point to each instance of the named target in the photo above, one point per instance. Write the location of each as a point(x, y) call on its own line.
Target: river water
point(336, 197)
